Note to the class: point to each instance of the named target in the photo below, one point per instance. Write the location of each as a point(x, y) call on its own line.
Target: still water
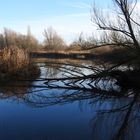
point(39, 113)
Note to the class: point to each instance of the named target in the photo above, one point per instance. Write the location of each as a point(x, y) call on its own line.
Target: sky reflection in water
point(42, 115)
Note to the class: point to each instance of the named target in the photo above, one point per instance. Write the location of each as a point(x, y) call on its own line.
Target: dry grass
point(67, 52)
point(102, 50)
point(95, 51)
point(15, 62)
point(13, 58)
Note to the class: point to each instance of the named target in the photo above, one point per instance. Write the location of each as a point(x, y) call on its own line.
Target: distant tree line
point(52, 41)
point(11, 38)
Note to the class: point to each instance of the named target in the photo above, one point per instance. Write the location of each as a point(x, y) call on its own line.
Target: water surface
point(38, 113)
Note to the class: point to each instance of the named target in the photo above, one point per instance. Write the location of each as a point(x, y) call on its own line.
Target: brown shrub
point(13, 58)
point(15, 63)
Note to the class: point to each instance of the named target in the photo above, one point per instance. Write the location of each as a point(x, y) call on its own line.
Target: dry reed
point(15, 62)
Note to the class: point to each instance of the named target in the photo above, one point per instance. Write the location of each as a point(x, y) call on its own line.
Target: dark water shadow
point(115, 118)
point(116, 115)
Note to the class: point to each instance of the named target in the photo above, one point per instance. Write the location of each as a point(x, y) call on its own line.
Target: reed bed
point(15, 63)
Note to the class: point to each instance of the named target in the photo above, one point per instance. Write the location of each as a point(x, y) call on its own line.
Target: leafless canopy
point(52, 40)
point(124, 22)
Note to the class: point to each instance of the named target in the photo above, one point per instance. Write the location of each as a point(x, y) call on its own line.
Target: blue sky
point(68, 17)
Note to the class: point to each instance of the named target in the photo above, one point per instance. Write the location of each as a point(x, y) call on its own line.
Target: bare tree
point(82, 43)
point(124, 23)
point(31, 42)
point(11, 38)
point(52, 40)
point(122, 30)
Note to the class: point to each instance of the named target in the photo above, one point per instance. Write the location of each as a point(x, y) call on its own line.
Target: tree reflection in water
point(117, 112)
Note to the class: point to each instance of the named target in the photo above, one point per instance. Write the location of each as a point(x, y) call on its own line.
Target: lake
point(31, 110)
